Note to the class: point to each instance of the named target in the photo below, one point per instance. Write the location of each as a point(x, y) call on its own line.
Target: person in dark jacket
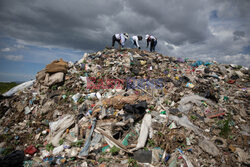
point(153, 42)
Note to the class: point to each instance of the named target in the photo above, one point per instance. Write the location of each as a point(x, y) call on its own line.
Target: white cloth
point(152, 37)
point(135, 38)
point(121, 37)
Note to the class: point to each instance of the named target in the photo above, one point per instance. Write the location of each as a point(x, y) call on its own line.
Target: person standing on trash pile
point(135, 41)
point(152, 40)
point(120, 38)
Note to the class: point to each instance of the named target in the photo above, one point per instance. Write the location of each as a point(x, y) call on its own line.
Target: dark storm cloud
point(73, 24)
point(88, 24)
point(207, 27)
point(179, 21)
point(238, 35)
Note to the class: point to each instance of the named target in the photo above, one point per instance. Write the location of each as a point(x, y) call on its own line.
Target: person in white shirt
point(153, 42)
point(120, 39)
point(135, 41)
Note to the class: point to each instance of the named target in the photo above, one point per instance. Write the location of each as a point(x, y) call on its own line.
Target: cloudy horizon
point(33, 33)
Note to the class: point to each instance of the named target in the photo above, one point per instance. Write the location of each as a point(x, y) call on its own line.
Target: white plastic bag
point(19, 88)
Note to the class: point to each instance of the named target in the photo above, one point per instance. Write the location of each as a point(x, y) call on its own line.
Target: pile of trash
point(128, 108)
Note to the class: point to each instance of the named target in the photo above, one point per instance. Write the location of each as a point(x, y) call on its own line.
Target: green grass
point(132, 162)
point(61, 141)
point(151, 143)
point(5, 86)
point(78, 143)
point(224, 126)
point(114, 150)
point(101, 160)
point(49, 147)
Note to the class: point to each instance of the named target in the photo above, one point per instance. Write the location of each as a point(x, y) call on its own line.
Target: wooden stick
point(112, 139)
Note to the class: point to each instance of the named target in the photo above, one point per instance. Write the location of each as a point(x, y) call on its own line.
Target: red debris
point(31, 150)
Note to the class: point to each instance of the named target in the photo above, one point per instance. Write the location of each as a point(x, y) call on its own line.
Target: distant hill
point(5, 86)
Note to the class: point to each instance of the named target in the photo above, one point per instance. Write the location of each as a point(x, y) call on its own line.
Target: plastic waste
point(157, 154)
point(85, 150)
point(96, 139)
point(146, 130)
point(136, 110)
point(91, 95)
point(98, 95)
point(76, 97)
point(189, 85)
point(188, 162)
point(31, 150)
point(172, 126)
point(197, 63)
point(57, 150)
point(185, 104)
point(27, 110)
point(183, 121)
point(188, 143)
point(19, 88)
point(57, 129)
point(209, 147)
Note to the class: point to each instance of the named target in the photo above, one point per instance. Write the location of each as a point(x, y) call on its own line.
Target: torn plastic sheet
point(85, 150)
point(185, 103)
point(58, 127)
point(96, 139)
point(209, 147)
point(189, 163)
point(146, 129)
point(183, 121)
point(19, 88)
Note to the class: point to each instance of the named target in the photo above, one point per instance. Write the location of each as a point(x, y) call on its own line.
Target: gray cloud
point(13, 57)
point(88, 25)
point(238, 35)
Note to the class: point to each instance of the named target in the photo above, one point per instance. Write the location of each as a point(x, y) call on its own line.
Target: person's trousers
point(152, 45)
point(114, 39)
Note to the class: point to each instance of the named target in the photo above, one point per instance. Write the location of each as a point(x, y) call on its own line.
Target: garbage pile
point(129, 108)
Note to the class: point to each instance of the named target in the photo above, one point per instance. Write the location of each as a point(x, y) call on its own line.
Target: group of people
point(121, 38)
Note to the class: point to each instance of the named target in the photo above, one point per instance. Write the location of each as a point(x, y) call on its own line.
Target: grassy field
point(5, 86)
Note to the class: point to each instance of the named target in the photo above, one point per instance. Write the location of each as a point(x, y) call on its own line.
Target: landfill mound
point(128, 108)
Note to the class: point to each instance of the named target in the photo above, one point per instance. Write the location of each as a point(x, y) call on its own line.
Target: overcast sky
point(35, 32)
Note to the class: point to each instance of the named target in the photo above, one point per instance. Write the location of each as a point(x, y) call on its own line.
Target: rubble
point(128, 107)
